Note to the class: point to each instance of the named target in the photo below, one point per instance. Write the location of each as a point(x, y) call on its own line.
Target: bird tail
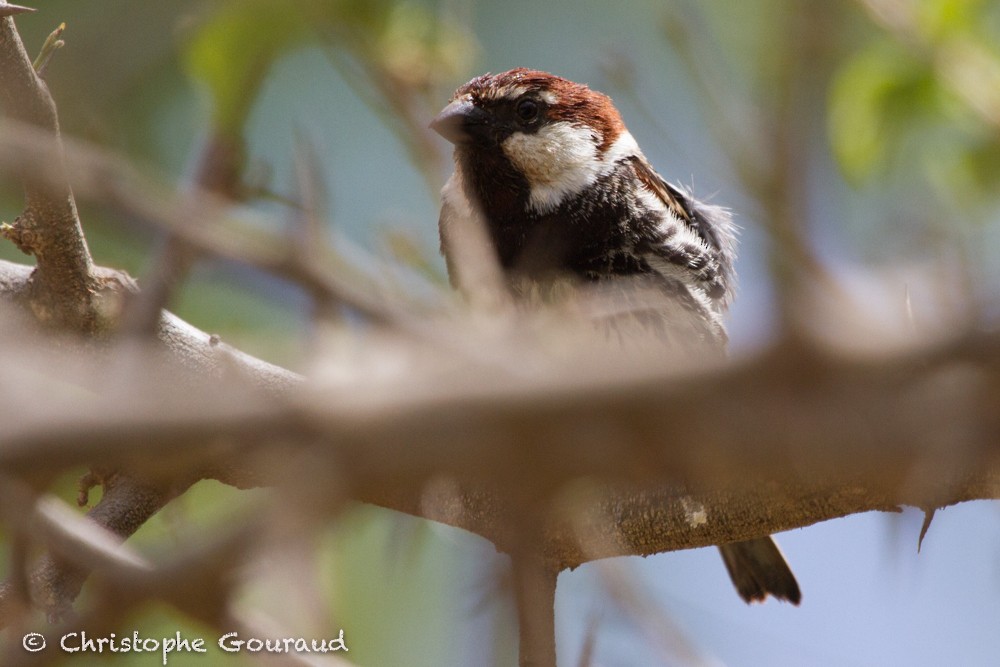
point(757, 569)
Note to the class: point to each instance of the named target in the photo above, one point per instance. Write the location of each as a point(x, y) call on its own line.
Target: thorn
point(311, 196)
point(13, 10)
point(908, 304)
point(928, 517)
point(83, 487)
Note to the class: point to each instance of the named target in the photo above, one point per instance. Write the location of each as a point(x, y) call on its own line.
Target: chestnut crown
point(490, 108)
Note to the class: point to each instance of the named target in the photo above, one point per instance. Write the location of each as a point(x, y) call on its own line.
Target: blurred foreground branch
point(639, 461)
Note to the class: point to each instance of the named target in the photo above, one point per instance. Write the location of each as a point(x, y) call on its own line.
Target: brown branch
point(790, 437)
point(197, 580)
point(64, 290)
point(535, 592)
point(125, 506)
point(129, 501)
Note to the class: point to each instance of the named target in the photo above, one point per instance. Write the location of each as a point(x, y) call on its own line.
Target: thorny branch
point(751, 474)
point(64, 289)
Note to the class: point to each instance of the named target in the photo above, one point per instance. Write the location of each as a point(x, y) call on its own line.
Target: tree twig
point(64, 290)
point(535, 593)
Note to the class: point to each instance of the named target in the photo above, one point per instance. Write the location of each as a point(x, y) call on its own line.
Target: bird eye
point(526, 110)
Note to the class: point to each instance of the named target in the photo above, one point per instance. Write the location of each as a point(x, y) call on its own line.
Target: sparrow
point(563, 189)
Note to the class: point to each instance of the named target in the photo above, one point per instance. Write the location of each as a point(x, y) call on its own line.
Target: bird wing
point(701, 242)
point(671, 197)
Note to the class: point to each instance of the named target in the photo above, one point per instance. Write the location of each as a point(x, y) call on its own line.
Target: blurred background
point(858, 143)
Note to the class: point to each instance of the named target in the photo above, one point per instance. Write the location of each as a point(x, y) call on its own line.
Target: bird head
point(554, 136)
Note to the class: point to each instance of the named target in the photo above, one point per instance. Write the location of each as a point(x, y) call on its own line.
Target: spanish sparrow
point(564, 190)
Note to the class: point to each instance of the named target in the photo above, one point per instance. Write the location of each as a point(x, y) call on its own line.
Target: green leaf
point(938, 19)
point(232, 51)
point(873, 98)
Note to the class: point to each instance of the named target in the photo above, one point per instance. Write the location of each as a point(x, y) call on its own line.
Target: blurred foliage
point(232, 51)
point(751, 35)
point(402, 50)
point(384, 591)
point(410, 43)
point(879, 95)
point(924, 90)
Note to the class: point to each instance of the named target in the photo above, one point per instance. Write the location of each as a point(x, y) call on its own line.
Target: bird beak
point(461, 121)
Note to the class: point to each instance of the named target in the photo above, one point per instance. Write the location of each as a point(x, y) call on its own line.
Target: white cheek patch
point(559, 160)
point(623, 147)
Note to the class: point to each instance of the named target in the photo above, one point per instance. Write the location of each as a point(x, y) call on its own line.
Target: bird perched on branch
point(560, 188)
